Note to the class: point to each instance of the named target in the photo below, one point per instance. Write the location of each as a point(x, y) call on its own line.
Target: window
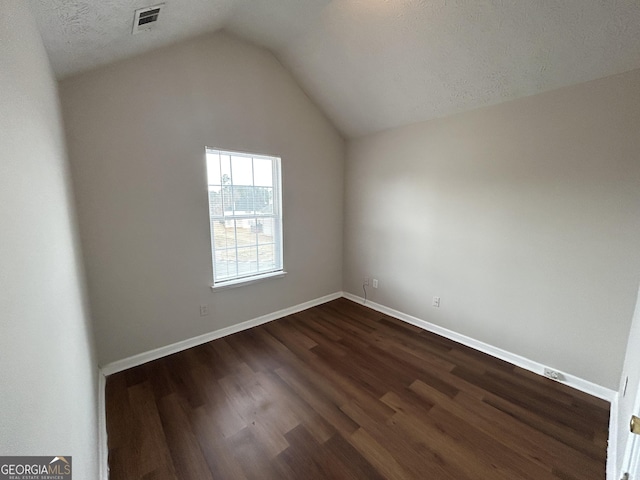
point(245, 212)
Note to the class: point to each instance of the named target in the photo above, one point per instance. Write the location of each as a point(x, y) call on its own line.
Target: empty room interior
point(342, 239)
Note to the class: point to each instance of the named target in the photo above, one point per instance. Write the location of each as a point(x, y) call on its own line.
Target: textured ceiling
point(377, 64)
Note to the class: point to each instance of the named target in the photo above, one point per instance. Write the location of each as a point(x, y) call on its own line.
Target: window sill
point(247, 281)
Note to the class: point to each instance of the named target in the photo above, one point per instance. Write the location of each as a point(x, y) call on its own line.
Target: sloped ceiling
point(376, 64)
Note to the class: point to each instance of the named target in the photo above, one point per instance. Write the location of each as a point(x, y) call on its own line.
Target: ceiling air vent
point(146, 18)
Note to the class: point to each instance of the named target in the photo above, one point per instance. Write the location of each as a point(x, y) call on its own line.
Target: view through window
point(245, 212)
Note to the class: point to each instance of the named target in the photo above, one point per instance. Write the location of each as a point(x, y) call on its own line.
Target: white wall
point(136, 133)
point(523, 217)
point(628, 399)
point(48, 371)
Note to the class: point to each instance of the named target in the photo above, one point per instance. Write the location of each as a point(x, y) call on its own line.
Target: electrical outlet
point(204, 310)
point(553, 375)
point(436, 302)
point(375, 283)
point(366, 281)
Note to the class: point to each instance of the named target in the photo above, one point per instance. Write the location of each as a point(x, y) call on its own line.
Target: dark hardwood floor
point(340, 391)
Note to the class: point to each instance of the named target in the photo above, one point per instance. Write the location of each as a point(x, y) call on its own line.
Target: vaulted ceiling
point(376, 64)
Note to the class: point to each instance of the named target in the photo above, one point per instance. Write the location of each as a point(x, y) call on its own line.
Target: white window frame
point(240, 279)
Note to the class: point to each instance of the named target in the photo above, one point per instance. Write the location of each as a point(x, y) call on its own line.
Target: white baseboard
point(531, 365)
point(612, 445)
point(103, 448)
point(157, 353)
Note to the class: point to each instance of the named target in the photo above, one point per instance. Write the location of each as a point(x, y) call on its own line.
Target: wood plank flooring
point(340, 391)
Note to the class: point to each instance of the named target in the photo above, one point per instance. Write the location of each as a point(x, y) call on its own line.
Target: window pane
point(241, 170)
point(247, 260)
point(243, 200)
point(263, 199)
point(267, 257)
point(227, 200)
point(225, 169)
point(263, 172)
point(245, 236)
point(213, 169)
point(224, 233)
point(266, 230)
point(215, 201)
point(225, 264)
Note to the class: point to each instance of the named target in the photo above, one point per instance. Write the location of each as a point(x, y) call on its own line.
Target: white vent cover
point(146, 18)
